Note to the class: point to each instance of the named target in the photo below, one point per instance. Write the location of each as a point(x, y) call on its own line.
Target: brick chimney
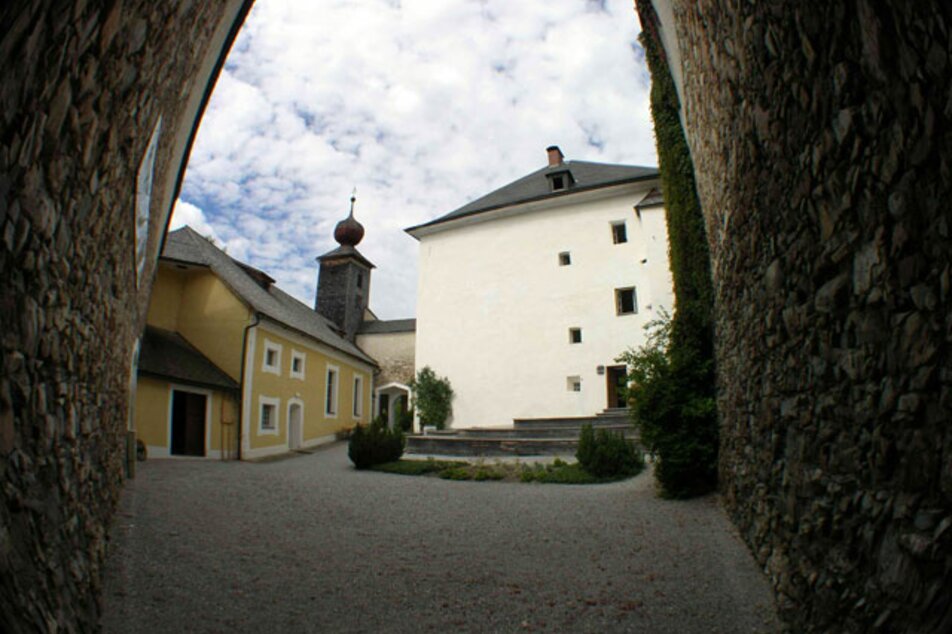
point(555, 155)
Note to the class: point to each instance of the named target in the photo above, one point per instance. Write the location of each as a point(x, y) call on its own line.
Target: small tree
point(674, 413)
point(432, 397)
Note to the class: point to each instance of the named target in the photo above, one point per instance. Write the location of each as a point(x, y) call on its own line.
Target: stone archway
point(100, 101)
point(820, 138)
point(820, 134)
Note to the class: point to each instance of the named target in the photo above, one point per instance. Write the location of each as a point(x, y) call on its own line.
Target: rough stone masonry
point(821, 139)
point(85, 83)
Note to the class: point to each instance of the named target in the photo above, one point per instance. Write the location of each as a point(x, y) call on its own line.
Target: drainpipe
point(241, 394)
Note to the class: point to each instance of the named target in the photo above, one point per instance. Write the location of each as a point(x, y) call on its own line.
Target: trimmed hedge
point(607, 454)
point(375, 445)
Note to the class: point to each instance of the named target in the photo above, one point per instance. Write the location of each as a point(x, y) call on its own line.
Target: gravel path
point(307, 544)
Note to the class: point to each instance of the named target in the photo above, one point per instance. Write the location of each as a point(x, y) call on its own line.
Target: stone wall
point(820, 134)
point(84, 83)
point(393, 352)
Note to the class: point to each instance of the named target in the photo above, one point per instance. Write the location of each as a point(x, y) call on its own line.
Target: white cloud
point(186, 213)
point(423, 105)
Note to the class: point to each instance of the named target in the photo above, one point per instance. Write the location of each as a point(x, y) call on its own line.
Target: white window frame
point(634, 300)
point(273, 402)
point(624, 225)
point(358, 412)
point(277, 348)
point(331, 398)
point(573, 383)
point(296, 355)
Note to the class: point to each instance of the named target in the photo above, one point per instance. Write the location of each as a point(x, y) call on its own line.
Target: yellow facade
point(194, 302)
point(278, 386)
point(153, 415)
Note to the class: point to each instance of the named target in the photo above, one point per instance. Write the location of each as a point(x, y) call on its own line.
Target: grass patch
point(556, 472)
point(417, 467)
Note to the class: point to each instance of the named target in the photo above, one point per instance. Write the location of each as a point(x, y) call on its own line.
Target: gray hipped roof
point(536, 186)
point(166, 354)
point(254, 289)
point(652, 199)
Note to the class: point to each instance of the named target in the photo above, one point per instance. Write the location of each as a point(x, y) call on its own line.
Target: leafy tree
point(432, 397)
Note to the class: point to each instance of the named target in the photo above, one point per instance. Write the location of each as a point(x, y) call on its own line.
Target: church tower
point(343, 283)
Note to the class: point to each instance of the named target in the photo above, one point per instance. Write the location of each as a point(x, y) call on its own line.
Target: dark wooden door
point(617, 378)
point(188, 423)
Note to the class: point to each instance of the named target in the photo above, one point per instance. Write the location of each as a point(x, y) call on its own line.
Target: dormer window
point(560, 180)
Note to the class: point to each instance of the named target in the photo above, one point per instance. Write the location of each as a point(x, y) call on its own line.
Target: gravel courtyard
point(308, 544)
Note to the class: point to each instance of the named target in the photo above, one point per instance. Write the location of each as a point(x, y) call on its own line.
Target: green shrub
point(607, 454)
point(432, 396)
point(673, 408)
point(405, 419)
point(488, 473)
point(375, 445)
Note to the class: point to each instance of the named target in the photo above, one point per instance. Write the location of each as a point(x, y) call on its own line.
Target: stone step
point(613, 412)
point(452, 445)
point(539, 441)
point(567, 422)
point(531, 432)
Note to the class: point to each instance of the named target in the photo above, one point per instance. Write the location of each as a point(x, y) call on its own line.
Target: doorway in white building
point(393, 405)
point(294, 426)
point(617, 377)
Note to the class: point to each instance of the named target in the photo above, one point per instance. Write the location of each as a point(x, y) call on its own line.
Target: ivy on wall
point(674, 405)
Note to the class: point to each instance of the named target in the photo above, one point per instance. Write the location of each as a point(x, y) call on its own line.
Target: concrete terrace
point(307, 544)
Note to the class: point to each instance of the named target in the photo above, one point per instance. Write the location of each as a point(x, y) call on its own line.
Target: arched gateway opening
point(820, 140)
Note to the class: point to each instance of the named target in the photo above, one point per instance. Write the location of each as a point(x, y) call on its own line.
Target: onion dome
point(349, 232)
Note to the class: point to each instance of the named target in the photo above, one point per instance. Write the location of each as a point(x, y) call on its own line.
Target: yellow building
point(232, 366)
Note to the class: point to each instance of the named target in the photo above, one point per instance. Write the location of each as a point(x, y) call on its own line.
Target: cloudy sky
point(422, 105)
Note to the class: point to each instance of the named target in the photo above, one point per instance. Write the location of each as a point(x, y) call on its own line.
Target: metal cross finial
point(353, 199)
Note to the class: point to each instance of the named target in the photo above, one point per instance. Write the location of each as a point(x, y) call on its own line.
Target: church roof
point(254, 288)
point(168, 355)
point(387, 326)
point(586, 176)
point(347, 251)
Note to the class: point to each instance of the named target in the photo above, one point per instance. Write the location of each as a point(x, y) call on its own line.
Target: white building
point(529, 293)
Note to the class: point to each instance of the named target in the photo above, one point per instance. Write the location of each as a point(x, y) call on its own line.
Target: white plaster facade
point(495, 306)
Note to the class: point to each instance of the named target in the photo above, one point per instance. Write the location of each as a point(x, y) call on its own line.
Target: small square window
point(619, 232)
point(558, 182)
point(573, 383)
point(297, 364)
point(267, 416)
point(565, 258)
point(626, 301)
point(272, 357)
point(575, 335)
